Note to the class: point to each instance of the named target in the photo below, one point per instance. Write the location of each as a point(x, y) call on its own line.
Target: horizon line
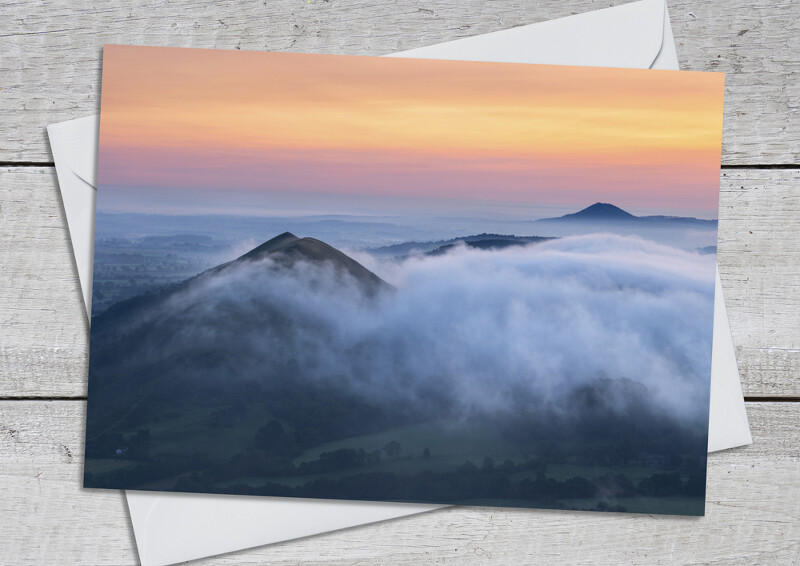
point(251, 214)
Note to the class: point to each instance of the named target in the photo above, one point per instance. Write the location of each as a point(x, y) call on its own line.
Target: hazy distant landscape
point(565, 366)
point(136, 253)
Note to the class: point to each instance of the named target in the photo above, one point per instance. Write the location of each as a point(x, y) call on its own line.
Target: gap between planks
point(778, 166)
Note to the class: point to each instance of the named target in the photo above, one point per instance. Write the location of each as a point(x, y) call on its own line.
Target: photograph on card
point(403, 280)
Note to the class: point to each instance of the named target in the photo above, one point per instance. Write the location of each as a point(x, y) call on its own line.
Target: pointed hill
point(285, 251)
point(208, 329)
point(237, 330)
point(598, 211)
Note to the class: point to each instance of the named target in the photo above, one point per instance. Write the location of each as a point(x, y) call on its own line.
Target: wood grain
point(49, 72)
point(43, 349)
point(50, 51)
point(759, 260)
point(750, 514)
point(44, 346)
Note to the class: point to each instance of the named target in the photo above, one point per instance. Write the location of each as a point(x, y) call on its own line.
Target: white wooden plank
point(751, 515)
point(43, 327)
point(50, 51)
point(44, 334)
point(759, 259)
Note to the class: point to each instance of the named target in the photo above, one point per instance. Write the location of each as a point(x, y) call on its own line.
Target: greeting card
point(403, 280)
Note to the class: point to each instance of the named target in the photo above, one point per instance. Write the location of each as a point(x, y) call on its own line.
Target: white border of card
point(175, 527)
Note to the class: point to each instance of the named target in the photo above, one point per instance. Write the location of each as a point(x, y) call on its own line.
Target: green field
point(214, 430)
point(446, 441)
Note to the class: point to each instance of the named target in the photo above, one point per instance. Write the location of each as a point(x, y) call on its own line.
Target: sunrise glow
point(192, 122)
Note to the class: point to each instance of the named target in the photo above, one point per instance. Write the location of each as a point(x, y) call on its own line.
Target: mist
point(471, 333)
point(685, 233)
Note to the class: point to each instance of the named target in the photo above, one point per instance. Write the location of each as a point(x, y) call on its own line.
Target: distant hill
point(598, 211)
point(603, 212)
point(705, 250)
point(488, 244)
point(438, 247)
point(178, 240)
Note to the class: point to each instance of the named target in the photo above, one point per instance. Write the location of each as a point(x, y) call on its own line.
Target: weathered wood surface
point(44, 344)
point(50, 51)
point(49, 71)
point(759, 260)
point(751, 514)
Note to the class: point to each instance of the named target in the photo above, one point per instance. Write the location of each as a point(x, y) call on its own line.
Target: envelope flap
point(77, 140)
point(175, 527)
point(628, 36)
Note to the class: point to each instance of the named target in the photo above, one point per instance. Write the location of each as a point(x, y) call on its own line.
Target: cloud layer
point(471, 332)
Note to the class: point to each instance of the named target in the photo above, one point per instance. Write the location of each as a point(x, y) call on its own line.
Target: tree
point(508, 467)
point(393, 449)
point(274, 440)
point(661, 485)
point(139, 444)
point(426, 453)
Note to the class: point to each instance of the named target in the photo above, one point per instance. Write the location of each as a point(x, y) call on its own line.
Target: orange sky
point(185, 119)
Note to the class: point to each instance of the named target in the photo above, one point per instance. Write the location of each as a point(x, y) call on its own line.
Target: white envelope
point(176, 527)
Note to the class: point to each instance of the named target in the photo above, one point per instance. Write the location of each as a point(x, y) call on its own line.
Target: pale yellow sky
point(176, 118)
